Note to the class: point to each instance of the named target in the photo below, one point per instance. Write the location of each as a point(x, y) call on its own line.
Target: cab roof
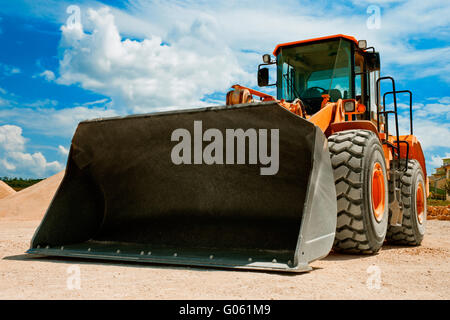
point(291, 44)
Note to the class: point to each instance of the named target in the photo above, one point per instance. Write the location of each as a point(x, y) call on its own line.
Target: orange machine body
point(332, 118)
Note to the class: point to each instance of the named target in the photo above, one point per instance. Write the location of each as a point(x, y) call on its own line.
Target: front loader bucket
point(124, 198)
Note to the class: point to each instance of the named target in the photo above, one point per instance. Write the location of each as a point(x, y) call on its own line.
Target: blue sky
point(124, 57)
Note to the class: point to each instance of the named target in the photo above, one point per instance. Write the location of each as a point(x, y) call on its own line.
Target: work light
point(266, 58)
point(362, 44)
point(349, 106)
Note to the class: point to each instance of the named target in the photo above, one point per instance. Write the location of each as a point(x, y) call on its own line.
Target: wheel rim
point(378, 192)
point(420, 203)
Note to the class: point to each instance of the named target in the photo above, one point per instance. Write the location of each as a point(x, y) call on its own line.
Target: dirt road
point(405, 273)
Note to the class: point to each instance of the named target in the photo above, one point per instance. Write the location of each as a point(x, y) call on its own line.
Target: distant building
point(439, 179)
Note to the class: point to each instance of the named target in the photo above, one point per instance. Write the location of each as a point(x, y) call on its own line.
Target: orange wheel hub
point(378, 191)
point(420, 202)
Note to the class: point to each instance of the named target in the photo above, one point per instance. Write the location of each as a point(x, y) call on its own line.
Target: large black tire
point(354, 154)
point(412, 230)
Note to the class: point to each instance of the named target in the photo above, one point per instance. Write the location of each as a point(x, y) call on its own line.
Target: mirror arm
point(266, 64)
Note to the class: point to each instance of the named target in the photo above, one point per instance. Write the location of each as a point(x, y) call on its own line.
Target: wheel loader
point(264, 182)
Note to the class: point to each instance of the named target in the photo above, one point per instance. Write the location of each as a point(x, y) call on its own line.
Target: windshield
point(309, 71)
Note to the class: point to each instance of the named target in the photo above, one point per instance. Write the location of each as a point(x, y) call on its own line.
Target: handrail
point(410, 106)
point(395, 112)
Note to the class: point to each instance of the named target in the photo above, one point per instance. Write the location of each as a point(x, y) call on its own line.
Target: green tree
point(19, 183)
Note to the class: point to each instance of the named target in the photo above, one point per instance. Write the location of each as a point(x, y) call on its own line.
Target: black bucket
point(124, 197)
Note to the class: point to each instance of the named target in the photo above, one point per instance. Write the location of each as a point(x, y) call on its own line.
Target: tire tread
point(347, 152)
point(404, 235)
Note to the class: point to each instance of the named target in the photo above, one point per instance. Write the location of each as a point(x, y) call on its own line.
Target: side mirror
point(373, 61)
point(263, 77)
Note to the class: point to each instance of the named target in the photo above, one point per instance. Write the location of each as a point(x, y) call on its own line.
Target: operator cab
point(337, 66)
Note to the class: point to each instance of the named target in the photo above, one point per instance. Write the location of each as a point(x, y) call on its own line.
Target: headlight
point(266, 58)
point(362, 44)
point(349, 106)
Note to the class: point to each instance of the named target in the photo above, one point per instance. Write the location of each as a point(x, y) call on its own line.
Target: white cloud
point(444, 100)
point(3, 102)
point(429, 124)
point(48, 117)
point(8, 166)
point(11, 138)
point(15, 159)
point(259, 26)
point(430, 134)
point(47, 75)
point(96, 102)
point(145, 75)
point(437, 111)
point(41, 103)
point(8, 70)
point(54, 122)
point(436, 160)
point(5, 98)
point(63, 151)
point(212, 45)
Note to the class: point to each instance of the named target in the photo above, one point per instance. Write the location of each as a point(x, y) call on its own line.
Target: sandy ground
point(32, 202)
point(405, 273)
point(395, 273)
point(5, 190)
